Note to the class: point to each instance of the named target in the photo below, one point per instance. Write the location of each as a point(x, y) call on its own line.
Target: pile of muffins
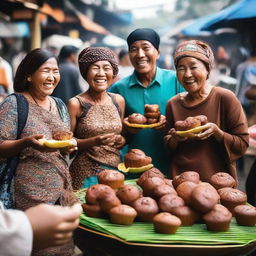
point(169, 204)
point(151, 115)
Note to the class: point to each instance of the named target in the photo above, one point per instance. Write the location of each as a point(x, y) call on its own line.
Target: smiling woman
point(96, 118)
point(42, 174)
point(224, 137)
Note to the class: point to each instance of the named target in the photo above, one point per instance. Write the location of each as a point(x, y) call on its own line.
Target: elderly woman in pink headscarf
point(96, 118)
point(225, 136)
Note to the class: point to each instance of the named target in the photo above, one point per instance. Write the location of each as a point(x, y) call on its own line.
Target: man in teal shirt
point(148, 84)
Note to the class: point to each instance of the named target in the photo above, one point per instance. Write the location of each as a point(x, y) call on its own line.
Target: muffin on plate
point(222, 180)
point(245, 215)
point(122, 214)
point(166, 223)
point(218, 219)
point(231, 197)
point(112, 178)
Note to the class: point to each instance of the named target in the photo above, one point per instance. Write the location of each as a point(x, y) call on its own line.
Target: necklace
point(50, 103)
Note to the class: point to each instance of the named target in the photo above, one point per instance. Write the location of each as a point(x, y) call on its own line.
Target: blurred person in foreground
point(224, 138)
point(148, 84)
point(38, 227)
point(42, 174)
point(68, 86)
point(96, 118)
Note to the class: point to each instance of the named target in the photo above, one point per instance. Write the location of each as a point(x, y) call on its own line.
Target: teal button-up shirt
point(160, 90)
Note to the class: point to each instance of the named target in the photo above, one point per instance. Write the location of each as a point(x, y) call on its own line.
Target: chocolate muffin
point(137, 118)
point(62, 135)
point(112, 178)
point(122, 214)
point(166, 223)
point(136, 158)
point(153, 172)
point(170, 201)
point(128, 194)
point(222, 180)
point(108, 201)
point(162, 190)
point(186, 176)
point(150, 184)
point(231, 197)
point(245, 215)
point(95, 192)
point(146, 208)
point(92, 210)
point(218, 219)
point(203, 197)
point(186, 214)
point(184, 190)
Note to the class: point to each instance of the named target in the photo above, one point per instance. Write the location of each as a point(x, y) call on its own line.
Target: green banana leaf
point(143, 232)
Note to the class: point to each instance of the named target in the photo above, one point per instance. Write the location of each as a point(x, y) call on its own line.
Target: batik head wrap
point(91, 55)
point(196, 49)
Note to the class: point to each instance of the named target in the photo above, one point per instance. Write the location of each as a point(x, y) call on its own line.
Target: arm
point(16, 235)
point(9, 145)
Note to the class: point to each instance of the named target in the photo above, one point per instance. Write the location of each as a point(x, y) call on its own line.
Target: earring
point(29, 79)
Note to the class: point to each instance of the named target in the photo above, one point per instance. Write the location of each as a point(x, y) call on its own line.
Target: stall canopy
point(238, 15)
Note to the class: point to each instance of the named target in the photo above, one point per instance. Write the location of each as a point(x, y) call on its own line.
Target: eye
point(180, 68)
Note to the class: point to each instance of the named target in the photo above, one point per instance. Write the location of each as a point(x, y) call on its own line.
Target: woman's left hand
point(119, 141)
point(210, 129)
point(162, 121)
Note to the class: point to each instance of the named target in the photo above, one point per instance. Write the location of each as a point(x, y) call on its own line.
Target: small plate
point(58, 143)
point(121, 167)
point(142, 125)
point(194, 131)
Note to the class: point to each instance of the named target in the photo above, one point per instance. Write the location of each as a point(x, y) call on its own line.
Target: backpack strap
point(63, 111)
point(22, 109)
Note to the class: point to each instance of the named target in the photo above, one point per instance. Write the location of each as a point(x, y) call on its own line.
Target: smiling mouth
point(142, 62)
point(100, 81)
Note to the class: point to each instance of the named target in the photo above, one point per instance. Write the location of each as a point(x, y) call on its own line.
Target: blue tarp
point(244, 9)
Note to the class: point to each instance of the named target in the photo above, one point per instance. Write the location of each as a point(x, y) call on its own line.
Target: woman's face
point(45, 78)
point(100, 75)
point(192, 74)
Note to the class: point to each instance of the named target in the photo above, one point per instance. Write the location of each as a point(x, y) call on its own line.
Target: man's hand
point(53, 225)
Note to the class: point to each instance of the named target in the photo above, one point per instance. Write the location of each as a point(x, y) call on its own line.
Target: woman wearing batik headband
point(224, 137)
point(96, 117)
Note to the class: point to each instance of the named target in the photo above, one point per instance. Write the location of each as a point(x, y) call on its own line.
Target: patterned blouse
point(95, 120)
point(41, 177)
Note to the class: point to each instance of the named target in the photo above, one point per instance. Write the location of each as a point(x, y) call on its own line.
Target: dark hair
point(66, 51)
point(32, 61)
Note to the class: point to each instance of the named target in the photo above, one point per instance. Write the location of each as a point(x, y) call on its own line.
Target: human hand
point(35, 142)
point(209, 130)
point(105, 139)
point(172, 133)
point(162, 121)
point(52, 225)
point(119, 141)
